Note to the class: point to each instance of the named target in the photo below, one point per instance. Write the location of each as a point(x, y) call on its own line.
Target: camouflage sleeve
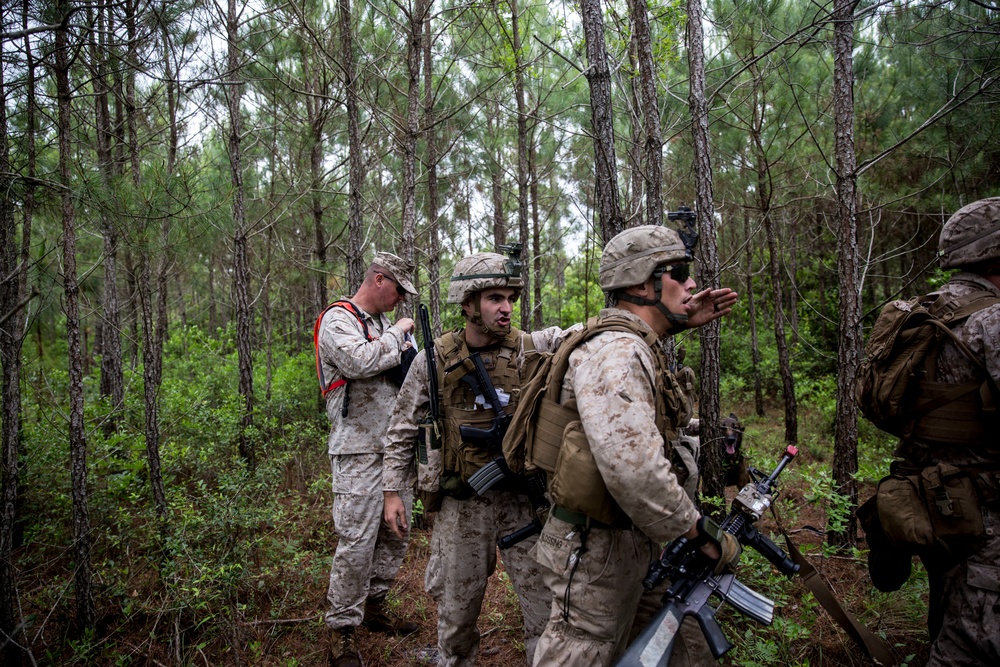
point(987, 324)
point(412, 405)
point(342, 344)
point(614, 390)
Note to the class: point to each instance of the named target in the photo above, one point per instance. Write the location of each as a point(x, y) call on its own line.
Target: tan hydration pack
point(546, 437)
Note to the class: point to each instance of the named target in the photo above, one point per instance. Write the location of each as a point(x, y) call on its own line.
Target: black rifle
point(430, 423)
point(479, 380)
point(693, 580)
point(539, 503)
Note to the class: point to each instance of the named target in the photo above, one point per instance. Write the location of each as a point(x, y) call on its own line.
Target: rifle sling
point(873, 645)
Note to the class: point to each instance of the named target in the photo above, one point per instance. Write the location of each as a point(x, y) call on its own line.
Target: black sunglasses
point(678, 272)
point(399, 288)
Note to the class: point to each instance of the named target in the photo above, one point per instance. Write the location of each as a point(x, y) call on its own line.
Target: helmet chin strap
point(676, 321)
point(476, 318)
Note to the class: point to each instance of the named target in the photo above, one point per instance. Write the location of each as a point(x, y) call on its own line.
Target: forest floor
point(275, 620)
point(807, 635)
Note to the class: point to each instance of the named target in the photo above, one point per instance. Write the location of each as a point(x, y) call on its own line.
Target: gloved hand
point(731, 550)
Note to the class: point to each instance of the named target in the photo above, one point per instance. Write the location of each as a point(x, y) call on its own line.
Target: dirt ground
point(822, 643)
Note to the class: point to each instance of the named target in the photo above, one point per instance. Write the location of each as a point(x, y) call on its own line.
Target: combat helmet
point(632, 256)
point(972, 235)
point(480, 271)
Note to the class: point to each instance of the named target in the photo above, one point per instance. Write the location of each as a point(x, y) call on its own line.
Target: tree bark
point(845, 451)
point(241, 264)
point(602, 123)
point(411, 131)
point(356, 166)
point(85, 613)
point(758, 393)
point(433, 231)
point(522, 166)
point(713, 478)
point(652, 138)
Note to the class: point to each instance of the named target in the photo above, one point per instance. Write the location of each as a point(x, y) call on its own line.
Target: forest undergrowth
point(238, 574)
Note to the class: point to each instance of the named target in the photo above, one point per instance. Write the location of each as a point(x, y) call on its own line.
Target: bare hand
point(709, 305)
point(406, 324)
point(394, 514)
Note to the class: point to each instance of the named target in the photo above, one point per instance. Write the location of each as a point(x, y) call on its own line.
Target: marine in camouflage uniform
point(463, 543)
point(627, 413)
point(964, 616)
point(358, 352)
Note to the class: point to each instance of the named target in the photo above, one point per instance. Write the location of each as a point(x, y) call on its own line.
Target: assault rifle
point(693, 580)
point(479, 380)
point(539, 503)
point(430, 423)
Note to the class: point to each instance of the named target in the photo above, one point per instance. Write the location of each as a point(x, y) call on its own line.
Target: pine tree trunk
point(713, 478)
point(845, 451)
point(356, 164)
point(82, 545)
point(433, 231)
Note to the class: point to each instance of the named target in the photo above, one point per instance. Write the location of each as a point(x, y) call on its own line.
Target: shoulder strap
point(327, 386)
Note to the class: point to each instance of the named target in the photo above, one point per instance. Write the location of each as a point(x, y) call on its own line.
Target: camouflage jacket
point(346, 353)
point(613, 378)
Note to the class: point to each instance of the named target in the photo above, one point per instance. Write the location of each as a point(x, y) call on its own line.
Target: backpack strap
point(327, 386)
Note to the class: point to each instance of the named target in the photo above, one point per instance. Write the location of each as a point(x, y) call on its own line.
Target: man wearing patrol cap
point(463, 545)
point(620, 463)
point(964, 618)
point(359, 353)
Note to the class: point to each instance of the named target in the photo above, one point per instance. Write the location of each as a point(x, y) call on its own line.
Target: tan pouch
point(953, 502)
point(902, 512)
point(577, 484)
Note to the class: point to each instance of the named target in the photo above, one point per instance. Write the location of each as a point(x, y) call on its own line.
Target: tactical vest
point(554, 438)
point(955, 414)
point(458, 402)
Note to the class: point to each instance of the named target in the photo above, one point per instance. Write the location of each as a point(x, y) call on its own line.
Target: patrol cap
point(480, 271)
point(396, 268)
point(632, 255)
point(971, 235)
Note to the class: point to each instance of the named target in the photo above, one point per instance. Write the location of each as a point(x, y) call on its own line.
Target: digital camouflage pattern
point(463, 544)
point(345, 353)
point(612, 378)
point(965, 595)
point(368, 554)
point(630, 257)
point(463, 557)
point(971, 235)
point(480, 271)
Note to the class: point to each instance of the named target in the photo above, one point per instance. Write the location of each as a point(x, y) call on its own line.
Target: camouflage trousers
point(593, 604)
point(970, 600)
point(368, 553)
point(464, 555)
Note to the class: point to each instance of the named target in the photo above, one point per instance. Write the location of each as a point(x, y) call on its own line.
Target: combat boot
point(377, 619)
point(343, 649)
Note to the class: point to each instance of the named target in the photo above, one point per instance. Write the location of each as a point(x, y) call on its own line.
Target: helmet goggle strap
point(678, 272)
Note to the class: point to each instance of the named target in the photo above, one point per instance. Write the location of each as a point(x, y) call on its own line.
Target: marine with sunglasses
point(358, 361)
point(616, 459)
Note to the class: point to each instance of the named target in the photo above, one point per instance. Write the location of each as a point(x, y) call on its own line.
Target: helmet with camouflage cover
point(632, 256)
point(480, 271)
point(972, 235)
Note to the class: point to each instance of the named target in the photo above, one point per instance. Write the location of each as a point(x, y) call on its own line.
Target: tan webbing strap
point(872, 644)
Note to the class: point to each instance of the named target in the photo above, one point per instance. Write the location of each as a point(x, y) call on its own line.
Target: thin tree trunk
point(758, 392)
point(713, 478)
point(316, 111)
point(536, 233)
point(496, 177)
point(355, 232)
point(845, 450)
point(414, 53)
point(241, 266)
point(85, 613)
point(652, 138)
point(14, 263)
point(599, 77)
point(430, 137)
point(522, 165)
